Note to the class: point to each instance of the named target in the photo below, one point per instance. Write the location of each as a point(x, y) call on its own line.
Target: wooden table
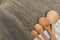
point(17, 17)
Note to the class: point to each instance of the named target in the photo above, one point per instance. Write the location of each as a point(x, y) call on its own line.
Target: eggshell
point(38, 27)
point(52, 16)
point(33, 33)
point(43, 21)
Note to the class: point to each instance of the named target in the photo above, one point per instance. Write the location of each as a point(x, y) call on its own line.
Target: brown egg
point(33, 33)
point(38, 27)
point(43, 21)
point(52, 16)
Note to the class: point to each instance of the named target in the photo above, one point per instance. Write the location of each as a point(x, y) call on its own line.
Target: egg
point(38, 27)
point(43, 21)
point(33, 33)
point(52, 16)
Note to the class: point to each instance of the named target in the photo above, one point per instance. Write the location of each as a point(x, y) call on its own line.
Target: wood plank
point(17, 17)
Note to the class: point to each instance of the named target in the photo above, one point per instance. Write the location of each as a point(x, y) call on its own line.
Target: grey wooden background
point(17, 17)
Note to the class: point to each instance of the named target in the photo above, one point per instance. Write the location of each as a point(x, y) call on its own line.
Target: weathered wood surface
point(17, 17)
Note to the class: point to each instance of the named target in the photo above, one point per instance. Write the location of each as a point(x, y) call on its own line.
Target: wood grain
point(17, 17)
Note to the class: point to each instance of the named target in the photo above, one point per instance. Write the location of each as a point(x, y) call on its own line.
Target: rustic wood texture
point(17, 17)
